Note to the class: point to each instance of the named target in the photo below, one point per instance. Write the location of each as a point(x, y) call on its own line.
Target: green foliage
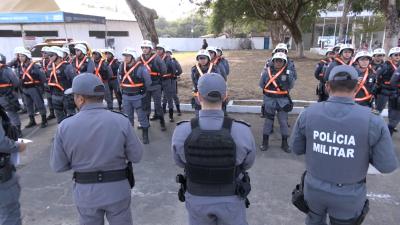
point(182, 27)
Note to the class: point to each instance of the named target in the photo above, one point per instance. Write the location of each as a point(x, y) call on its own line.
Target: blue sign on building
point(48, 17)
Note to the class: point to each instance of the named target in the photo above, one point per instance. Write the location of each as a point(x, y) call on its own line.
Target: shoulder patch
point(118, 112)
point(181, 122)
point(243, 122)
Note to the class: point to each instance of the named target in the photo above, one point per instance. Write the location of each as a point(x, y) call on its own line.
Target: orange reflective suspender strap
point(44, 65)
point(272, 81)
point(97, 70)
point(79, 64)
point(201, 74)
point(110, 65)
point(53, 74)
point(146, 64)
point(26, 74)
point(394, 68)
point(343, 63)
point(127, 76)
point(362, 87)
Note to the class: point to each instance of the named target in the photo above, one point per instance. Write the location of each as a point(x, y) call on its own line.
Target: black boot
point(44, 121)
point(285, 145)
point(145, 135)
point(19, 131)
point(164, 108)
point(162, 123)
point(171, 115)
point(178, 109)
point(31, 123)
point(51, 116)
point(155, 117)
point(265, 144)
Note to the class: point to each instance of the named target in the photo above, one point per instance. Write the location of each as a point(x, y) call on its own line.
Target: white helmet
point(379, 51)
point(56, 50)
point(330, 49)
point(219, 49)
point(146, 43)
point(26, 52)
point(110, 50)
point(279, 55)
point(203, 52)
point(346, 46)
point(65, 50)
point(167, 49)
point(211, 48)
point(45, 49)
point(394, 50)
point(362, 54)
point(162, 46)
point(81, 47)
point(19, 49)
point(280, 46)
point(131, 52)
point(97, 51)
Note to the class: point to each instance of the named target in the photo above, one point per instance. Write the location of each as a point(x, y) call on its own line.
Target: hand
point(22, 147)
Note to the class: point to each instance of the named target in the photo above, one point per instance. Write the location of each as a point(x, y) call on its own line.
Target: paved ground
point(46, 197)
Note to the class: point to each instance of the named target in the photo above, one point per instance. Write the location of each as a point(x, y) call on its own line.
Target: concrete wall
point(77, 31)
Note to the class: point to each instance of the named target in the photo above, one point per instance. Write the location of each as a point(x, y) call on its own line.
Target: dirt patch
point(245, 70)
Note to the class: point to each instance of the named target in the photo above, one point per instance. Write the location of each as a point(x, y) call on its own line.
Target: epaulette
point(243, 122)
point(121, 113)
point(181, 122)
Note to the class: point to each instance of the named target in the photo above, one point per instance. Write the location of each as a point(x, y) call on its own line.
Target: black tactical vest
point(211, 160)
point(62, 79)
point(136, 80)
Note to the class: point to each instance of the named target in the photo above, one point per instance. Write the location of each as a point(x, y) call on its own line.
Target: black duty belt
point(100, 176)
point(359, 182)
point(131, 94)
point(275, 95)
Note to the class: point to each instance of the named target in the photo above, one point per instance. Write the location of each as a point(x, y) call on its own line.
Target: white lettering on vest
point(324, 144)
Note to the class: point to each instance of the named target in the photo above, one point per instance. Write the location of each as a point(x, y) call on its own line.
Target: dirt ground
point(245, 70)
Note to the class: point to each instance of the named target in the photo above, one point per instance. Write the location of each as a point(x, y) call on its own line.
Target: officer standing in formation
point(167, 80)
point(216, 61)
point(319, 74)
point(276, 82)
point(213, 150)
point(345, 57)
point(202, 67)
point(10, 190)
point(32, 80)
point(102, 182)
point(82, 62)
point(60, 75)
point(339, 139)
point(45, 62)
point(367, 79)
point(174, 86)
point(104, 72)
point(8, 98)
point(113, 84)
point(223, 60)
point(157, 68)
point(378, 58)
point(135, 80)
point(67, 55)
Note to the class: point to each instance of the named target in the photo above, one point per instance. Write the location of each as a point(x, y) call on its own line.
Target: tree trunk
point(145, 18)
point(295, 31)
point(343, 19)
point(392, 27)
point(277, 32)
point(313, 33)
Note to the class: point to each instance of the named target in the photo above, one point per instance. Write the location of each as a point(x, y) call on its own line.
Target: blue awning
point(48, 17)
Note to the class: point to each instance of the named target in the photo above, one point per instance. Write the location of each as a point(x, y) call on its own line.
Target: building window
point(42, 33)
point(10, 33)
point(102, 34)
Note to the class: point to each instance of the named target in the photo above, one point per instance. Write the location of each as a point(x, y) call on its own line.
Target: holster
point(243, 188)
point(288, 107)
point(6, 172)
point(298, 196)
point(181, 179)
point(130, 175)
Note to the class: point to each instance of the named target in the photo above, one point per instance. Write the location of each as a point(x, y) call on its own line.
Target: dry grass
point(246, 67)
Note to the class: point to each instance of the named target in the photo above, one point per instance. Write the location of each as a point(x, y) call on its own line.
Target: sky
point(170, 9)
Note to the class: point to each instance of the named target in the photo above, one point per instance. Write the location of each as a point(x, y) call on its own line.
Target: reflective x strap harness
point(78, 64)
point(146, 64)
point(53, 74)
point(26, 74)
point(362, 87)
point(97, 71)
point(273, 82)
point(127, 76)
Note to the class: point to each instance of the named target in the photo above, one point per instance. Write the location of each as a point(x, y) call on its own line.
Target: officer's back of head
point(343, 81)
point(87, 88)
point(212, 90)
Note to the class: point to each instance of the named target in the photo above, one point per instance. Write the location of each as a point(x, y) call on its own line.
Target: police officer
point(102, 177)
point(67, 54)
point(336, 49)
point(113, 84)
point(378, 58)
point(215, 152)
point(104, 72)
point(10, 190)
point(216, 60)
point(13, 64)
point(276, 82)
point(345, 57)
point(367, 79)
point(384, 74)
point(202, 67)
point(167, 80)
point(339, 139)
point(319, 74)
point(82, 62)
point(45, 62)
point(8, 99)
point(394, 102)
point(60, 75)
point(134, 80)
point(157, 68)
point(223, 60)
point(174, 88)
point(32, 80)
point(282, 47)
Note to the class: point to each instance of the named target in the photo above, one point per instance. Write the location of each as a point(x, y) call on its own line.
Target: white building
point(102, 23)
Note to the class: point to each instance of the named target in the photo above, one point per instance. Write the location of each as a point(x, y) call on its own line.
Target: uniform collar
point(90, 106)
point(211, 113)
point(341, 99)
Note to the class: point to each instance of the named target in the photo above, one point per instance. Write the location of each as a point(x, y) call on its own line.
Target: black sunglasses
point(395, 55)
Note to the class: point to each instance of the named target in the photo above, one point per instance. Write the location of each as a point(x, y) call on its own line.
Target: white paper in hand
point(15, 158)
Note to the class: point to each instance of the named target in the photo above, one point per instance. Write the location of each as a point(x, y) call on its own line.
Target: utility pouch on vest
point(130, 175)
point(288, 107)
point(243, 188)
point(298, 196)
point(181, 179)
